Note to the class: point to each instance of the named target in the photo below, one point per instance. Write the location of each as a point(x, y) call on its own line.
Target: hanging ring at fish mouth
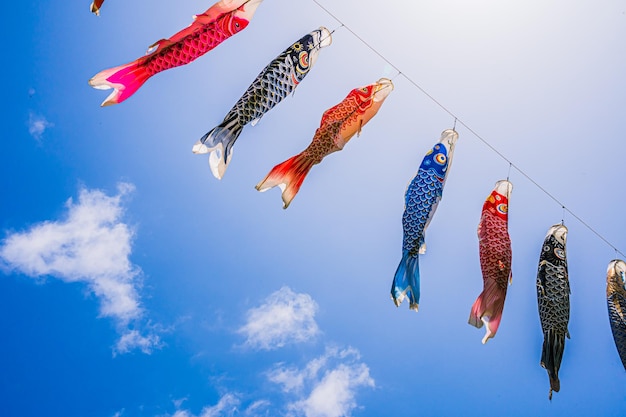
point(326, 37)
point(381, 91)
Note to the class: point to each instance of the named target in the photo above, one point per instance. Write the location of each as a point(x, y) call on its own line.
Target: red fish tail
point(95, 7)
point(124, 80)
point(487, 309)
point(289, 176)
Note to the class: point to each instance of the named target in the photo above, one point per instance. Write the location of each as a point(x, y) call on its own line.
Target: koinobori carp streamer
point(339, 123)
point(222, 20)
point(421, 199)
point(277, 80)
point(494, 247)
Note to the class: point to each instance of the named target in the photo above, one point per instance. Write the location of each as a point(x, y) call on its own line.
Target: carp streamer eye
point(303, 58)
point(503, 208)
point(236, 26)
point(440, 158)
point(623, 278)
point(560, 253)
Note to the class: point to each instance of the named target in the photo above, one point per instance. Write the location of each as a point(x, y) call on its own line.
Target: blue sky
point(136, 284)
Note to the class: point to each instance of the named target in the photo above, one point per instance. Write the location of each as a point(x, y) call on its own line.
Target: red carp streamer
point(95, 7)
point(495, 260)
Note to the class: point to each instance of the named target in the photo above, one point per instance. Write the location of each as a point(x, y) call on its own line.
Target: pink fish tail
point(124, 80)
point(487, 309)
point(476, 313)
point(289, 176)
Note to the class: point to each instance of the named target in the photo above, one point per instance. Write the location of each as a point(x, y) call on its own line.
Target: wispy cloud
point(227, 406)
point(326, 386)
point(285, 317)
point(133, 339)
point(259, 408)
point(92, 245)
point(37, 125)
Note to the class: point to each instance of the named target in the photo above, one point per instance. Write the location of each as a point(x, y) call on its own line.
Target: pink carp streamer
point(495, 260)
point(219, 22)
point(338, 125)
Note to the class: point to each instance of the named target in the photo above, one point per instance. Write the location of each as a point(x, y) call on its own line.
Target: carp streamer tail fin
point(289, 176)
point(406, 282)
point(124, 80)
point(487, 309)
point(551, 355)
point(95, 7)
point(219, 142)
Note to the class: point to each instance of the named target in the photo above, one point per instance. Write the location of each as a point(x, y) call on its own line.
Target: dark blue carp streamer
point(421, 199)
point(553, 292)
point(616, 302)
point(277, 80)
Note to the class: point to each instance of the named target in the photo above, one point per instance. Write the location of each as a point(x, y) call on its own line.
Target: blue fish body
point(421, 199)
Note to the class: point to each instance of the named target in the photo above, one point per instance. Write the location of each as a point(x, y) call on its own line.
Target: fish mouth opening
point(449, 138)
point(617, 265)
point(504, 187)
point(325, 37)
point(559, 231)
point(250, 6)
point(383, 88)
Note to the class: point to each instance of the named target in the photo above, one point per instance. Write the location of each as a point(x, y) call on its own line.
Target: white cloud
point(182, 413)
point(255, 409)
point(334, 395)
point(285, 317)
point(133, 339)
point(92, 246)
point(227, 406)
point(37, 125)
point(327, 386)
point(179, 402)
point(291, 379)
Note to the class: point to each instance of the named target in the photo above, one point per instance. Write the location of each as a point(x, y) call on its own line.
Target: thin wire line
point(462, 123)
point(356, 36)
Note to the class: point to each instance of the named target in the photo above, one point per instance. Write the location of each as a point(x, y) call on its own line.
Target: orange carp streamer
point(338, 125)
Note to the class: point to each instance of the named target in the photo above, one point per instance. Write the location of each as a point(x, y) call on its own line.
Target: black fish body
point(277, 80)
point(616, 302)
point(553, 293)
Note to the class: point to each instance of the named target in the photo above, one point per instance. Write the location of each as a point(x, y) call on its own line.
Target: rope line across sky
point(469, 129)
